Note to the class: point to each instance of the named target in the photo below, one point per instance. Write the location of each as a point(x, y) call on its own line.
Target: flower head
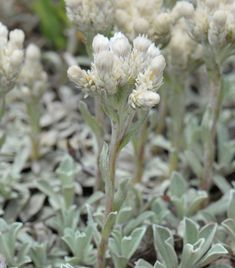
point(32, 78)
point(120, 66)
point(11, 57)
point(94, 16)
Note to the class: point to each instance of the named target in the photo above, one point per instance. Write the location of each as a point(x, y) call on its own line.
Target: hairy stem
point(2, 106)
point(99, 115)
point(139, 151)
point(33, 109)
point(177, 109)
point(161, 124)
point(109, 190)
point(209, 124)
point(119, 129)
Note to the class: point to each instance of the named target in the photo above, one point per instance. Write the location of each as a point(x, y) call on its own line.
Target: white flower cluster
point(11, 57)
point(213, 22)
point(32, 78)
point(94, 16)
point(181, 50)
point(136, 69)
point(150, 17)
point(135, 17)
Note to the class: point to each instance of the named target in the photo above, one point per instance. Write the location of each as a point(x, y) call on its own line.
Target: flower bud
point(122, 18)
point(153, 51)
point(3, 35)
point(120, 45)
point(33, 52)
point(100, 43)
point(183, 9)
point(163, 23)
point(158, 64)
point(141, 43)
point(219, 18)
point(16, 57)
point(140, 25)
point(143, 98)
point(17, 38)
point(104, 62)
point(75, 73)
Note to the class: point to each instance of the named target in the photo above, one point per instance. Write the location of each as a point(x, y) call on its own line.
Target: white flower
point(124, 67)
point(91, 16)
point(100, 43)
point(120, 45)
point(182, 9)
point(141, 43)
point(143, 99)
point(32, 75)
point(11, 57)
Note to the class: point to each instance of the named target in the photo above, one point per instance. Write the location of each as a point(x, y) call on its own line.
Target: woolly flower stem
point(139, 148)
point(119, 129)
point(177, 109)
point(33, 109)
point(2, 106)
point(209, 124)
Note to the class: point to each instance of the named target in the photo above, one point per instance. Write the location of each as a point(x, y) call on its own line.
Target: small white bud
point(104, 62)
point(141, 43)
point(100, 43)
point(140, 25)
point(144, 98)
point(16, 58)
point(120, 45)
point(158, 64)
point(3, 35)
point(153, 51)
point(163, 23)
point(16, 37)
point(33, 52)
point(74, 73)
point(219, 18)
point(183, 9)
point(122, 18)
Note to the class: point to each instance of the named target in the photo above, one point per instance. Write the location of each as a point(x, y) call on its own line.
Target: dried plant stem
point(209, 125)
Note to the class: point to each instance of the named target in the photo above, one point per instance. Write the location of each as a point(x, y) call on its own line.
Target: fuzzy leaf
point(190, 231)
point(90, 120)
point(163, 242)
point(130, 243)
point(178, 185)
point(216, 252)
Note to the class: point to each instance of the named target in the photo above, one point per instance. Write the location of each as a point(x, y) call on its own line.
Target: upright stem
point(209, 123)
point(177, 108)
point(33, 110)
point(162, 112)
point(120, 127)
point(109, 189)
point(2, 106)
point(99, 114)
point(139, 146)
